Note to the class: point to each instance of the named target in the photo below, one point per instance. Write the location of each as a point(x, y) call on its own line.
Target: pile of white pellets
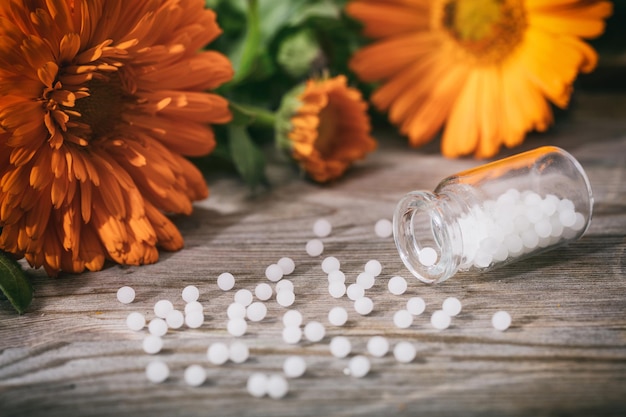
point(245, 308)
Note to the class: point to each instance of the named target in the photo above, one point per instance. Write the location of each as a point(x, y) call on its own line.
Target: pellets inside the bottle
point(194, 319)
point(314, 247)
point(236, 311)
point(274, 272)
point(277, 386)
point(358, 366)
point(226, 281)
point(340, 346)
point(337, 289)
point(287, 265)
point(162, 308)
point(135, 321)
point(294, 367)
point(256, 311)
point(292, 334)
point(330, 263)
point(416, 305)
point(243, 297)
point(397, 285)
point(440, 320)
point(190, 293)
point(364, 306)
point(451, 306)
point(263, 291)
point(355, 291)
point(126, 295)
point(322, 228)
point(285, 298)
point(337, 316)
point(501, 320)
point(365, 280)
point(157, 326)
point(373, 267)
point(292, 318)
point(238, 352)
point(152, 344)
point(218, 353)
point(194, 375)
point(383, 228)
point(427, 256)
point(237, 327)
point(402, 319)
point(378, 346)
point(314, 331)
point(284, 285)
point(157, 371)
point(257, 384)
point(404, 352)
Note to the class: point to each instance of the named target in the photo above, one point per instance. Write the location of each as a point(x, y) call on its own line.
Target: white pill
point(337, 316)
point(543, 228)
point(451, 306)
point(404, 352)
point(427, 256)
point(126, 295)
point(397, 285)
point(567, 218)
point(378, 346)
point(292, 334)
point(364, 306)
point(226, 281)
point(416, 305)
point(373, 267)
point(194, 319)
point(365, 280)
point(256, 311)
point(285, 298)
point(336, 289)
point(274, 272)
point(566, 205)
point(218, 353)
point(292, 318)
point(340, 346)
point(287, 265)
point(236, 311)
point(314, 247)
point(359, 366)
point(402, 319)
point(284, 284)
point(237, 327)
point(193, 306)
point(336, 276)
point(355, 291)
point(243, 297)
point(501, 320)
point(277, 386)
point(294, 367)
point(257, 385)
point(530, 238)
point(314, 331)
point(152, 344)
point(238, 352)
point(157, 327)
point(190, 293)
point(195, 375)
point(157, 371)
point(135, 321)
point(263, 291)
point(383, 228)
point(330, 264)
point(579, 223)
point(440, 320)
point(175, 319)
point(322, 228)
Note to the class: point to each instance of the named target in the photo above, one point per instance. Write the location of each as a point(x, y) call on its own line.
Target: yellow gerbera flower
point(100, 100)
point(329, 128)
point(484, 68)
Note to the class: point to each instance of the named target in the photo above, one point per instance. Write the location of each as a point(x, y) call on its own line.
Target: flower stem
point(251, 43)
point(255, 116)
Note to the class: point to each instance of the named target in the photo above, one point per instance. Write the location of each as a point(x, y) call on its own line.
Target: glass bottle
point(494, 214)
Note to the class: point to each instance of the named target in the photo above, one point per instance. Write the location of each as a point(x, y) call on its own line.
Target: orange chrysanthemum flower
point(99, 101)
point(330, 128)
point(484, 68)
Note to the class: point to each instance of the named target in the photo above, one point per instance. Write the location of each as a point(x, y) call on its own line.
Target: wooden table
point(565, 354)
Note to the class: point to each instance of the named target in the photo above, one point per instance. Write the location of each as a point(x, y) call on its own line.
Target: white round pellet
point(190, 293)
point(322, 228)
point(243, 297)
point(274, 272)
point(135, 321)
point(256, 311)
point(292, 334)
point(294, 367)
point(152, 344)
point(218, 353)
point(482, 259)
point(292, 318)
point(501, 320)
point(378, 346)
point(330, 264)
point(440, 320)
point(277, 386)
point(193, 306)
point(383, 228)
point(157, 371)
point(579, 223)
point(365, 280)
point(195, 375)
point(521, 222)
point(287, 265)
point(451, 306)
point(337, 316)
point(162, 308)
point(126, 295)
point(403, 319)
point(340, 346)
point(237, 327)
point(284, 285)
point(514, 243)
point(175, 319)
point(157, 327)
point(397, 285)
point(337, 289)
point(566, 205)
point(336, 276)
point(567, 218)
point(226, 281)
point(427, 256)
point(263, 291)
point(239, 352)
point(359, 366)
point(530, 238)
point(416, 305)
point(373, 267)
point(194, 319)
point(355, 291)
point(314, 331)
point(236, 311)
point(364, 306)
point(404, 352)
point(285, 298)
point(257, 385)
point(543, 228)
point(314, 247)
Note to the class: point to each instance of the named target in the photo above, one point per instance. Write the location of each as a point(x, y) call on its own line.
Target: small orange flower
point(485, 69)
point(330, 128)
point(100, 101)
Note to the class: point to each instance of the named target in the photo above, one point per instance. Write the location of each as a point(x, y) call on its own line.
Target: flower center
point(329, 122)
point(487, 29)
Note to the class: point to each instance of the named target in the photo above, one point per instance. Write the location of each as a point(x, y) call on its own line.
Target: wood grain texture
point(565, 354)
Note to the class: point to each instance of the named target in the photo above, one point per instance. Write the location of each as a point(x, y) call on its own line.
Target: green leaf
point(14, 283)
point(246, 156)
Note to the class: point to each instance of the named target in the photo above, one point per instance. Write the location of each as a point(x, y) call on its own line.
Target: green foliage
point(14, 284)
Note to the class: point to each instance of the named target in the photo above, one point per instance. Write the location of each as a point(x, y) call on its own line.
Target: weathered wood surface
point(565, 354)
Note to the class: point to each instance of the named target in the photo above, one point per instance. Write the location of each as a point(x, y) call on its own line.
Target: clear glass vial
point(493, 214)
